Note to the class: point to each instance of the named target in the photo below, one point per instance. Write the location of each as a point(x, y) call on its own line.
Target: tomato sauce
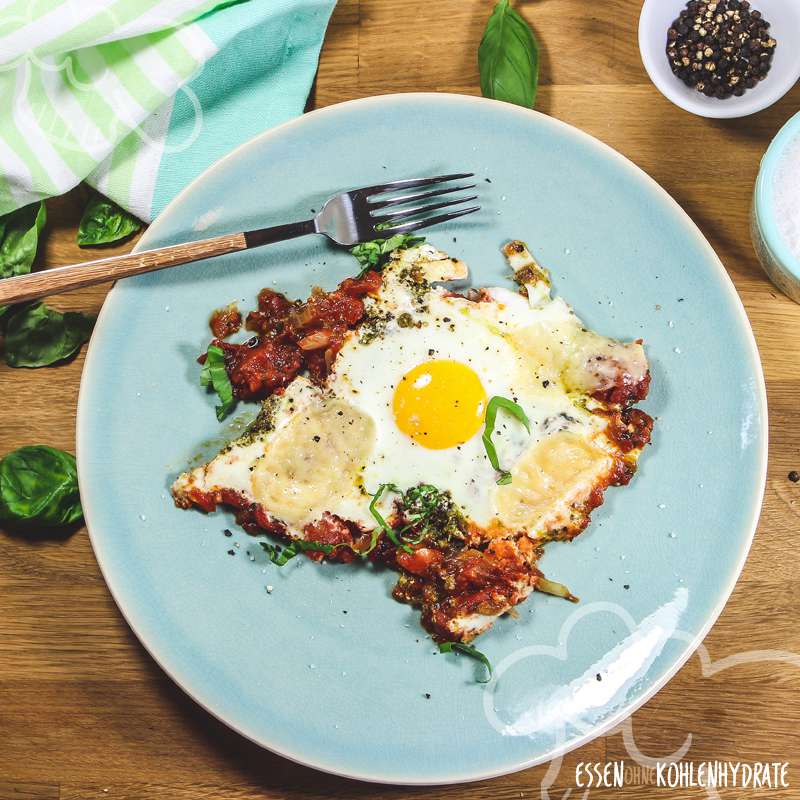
point(290, 336)
point(625, 391)
point(261, 366)
point(448, 585)
point(332, 530)
point(630, 429)
point(448, 579)
point(225, 322)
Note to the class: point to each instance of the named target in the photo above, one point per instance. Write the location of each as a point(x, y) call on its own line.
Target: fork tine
point(407, 227)
point(410, 183)
point(424, 208)
point(407, 198)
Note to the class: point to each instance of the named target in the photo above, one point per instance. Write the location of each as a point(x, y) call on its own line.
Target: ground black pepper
point(720, 48)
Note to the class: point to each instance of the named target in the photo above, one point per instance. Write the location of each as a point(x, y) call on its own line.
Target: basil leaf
point(37, 336)
point(492, 407)
point(508, 58)
point(104, 222)
point(215, 375)
point(39, 486)
point(375, 254)
point(468, 650)
point(382, 523)
point(19, 241)
point(281, 555)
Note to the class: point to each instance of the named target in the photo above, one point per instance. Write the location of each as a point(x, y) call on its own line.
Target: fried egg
point(406, 400)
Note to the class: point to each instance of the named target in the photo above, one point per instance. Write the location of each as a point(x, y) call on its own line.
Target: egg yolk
point(440, 404)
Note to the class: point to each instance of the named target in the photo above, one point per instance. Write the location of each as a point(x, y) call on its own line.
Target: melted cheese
point(302, 457)
point(330, 448)
point(311, 465)
point(548, 478)
point(583, 360)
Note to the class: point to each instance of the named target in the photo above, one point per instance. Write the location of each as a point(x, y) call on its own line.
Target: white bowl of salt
point(775, 219)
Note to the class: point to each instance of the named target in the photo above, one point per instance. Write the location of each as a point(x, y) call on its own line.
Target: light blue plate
point(346, 692)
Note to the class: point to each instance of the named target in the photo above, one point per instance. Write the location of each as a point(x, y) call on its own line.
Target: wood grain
point(85, 714)
point(70, 277)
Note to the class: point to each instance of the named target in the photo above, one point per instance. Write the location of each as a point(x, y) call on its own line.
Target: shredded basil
point(420, 502)
point(375, 254)
point(494, 404)
point(372, 544)
point(215, 375)
point(508, 58)
point(383, 524)
point(468, 650)
point(281, 555)
point(104, 222)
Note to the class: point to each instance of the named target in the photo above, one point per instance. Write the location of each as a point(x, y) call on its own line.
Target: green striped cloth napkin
point(138, 97)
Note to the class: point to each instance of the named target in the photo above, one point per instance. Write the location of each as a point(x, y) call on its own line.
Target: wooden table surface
point(85, 713)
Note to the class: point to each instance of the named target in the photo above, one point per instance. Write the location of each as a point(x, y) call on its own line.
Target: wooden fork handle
point(76, 276)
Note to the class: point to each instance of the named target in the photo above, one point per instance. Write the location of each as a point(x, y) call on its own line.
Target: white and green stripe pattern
point(139, 96)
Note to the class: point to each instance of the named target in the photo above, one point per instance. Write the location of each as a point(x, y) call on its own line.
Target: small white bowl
point(784, 15)
point(779, 262)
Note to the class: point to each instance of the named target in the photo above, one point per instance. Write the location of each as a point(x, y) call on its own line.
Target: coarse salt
point(786, 190)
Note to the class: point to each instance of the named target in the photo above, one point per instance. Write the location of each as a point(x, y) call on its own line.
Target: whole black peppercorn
point(794, 476)
point(720, 48)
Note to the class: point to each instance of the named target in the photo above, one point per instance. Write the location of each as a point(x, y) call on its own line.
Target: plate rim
point(83, 423)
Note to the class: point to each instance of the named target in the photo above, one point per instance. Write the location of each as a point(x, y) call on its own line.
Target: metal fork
point(347, 218)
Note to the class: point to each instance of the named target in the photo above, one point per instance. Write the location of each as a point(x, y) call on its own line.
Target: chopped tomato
point(625, 391)
point(418, 562)
point(291, 336)
point(368, 283)
point(330, 530)
point(272, 315)
point(257, 371)
point(203, 500)
point(225, 321)
point(327, 310)
point(454, 584)
point(630, 429)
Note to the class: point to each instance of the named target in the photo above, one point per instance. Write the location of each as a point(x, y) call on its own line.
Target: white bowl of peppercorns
point(721, 58)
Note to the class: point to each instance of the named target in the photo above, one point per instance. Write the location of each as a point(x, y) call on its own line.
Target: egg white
point(531, 349)
point(480, 336)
